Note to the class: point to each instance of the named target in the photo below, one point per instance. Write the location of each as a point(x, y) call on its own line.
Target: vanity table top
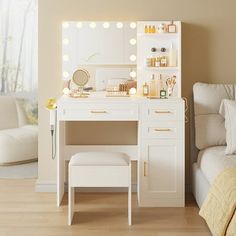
point(98, 97)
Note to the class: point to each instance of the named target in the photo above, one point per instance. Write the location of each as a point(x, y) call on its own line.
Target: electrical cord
point(53, 138)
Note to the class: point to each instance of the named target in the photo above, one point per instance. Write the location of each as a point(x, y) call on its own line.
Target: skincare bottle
point(145, 89)
point(172, 56)
point(153, 56)
point(162, 90)
point(153, 29)
point(153, 86)
point(171, 27)
point(146, 29)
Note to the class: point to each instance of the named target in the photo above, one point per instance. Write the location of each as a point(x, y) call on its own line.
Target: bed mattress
point(213, 160)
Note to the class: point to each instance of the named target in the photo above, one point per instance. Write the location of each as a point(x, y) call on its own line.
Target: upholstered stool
point(99, 169)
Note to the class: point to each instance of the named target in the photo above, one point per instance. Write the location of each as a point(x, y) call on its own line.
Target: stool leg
point(71, 200)
point(129, 199)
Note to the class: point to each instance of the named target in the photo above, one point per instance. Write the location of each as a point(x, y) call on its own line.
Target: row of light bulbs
point(132, 74)
point(93, 25)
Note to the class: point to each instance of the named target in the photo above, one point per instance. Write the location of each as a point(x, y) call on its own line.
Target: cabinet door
point(162, 173)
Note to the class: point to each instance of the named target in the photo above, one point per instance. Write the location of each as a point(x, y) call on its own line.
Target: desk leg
point(60, 162)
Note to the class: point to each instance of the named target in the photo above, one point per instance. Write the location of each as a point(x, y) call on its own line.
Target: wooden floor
point(26, 213)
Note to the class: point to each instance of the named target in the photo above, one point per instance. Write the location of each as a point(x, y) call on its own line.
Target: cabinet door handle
point(162, 130)
point(162, 112)
point(98, 112)
point(145, 168)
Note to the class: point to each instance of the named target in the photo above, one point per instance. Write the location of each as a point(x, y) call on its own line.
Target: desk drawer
point(163, 112)
point(99, 112)
point(163, 130)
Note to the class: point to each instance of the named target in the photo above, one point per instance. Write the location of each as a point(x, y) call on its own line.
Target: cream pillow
point(228, 110)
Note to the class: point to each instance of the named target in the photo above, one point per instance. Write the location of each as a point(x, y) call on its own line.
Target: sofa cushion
point(20, 144)
point(9, 116)
point(209, 125)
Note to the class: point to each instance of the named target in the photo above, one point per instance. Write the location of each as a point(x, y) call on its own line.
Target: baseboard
point(50, 187)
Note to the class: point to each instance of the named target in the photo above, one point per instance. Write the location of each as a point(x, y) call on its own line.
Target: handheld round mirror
point(80, 77)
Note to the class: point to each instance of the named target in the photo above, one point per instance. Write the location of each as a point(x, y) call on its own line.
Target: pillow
point(228, 110)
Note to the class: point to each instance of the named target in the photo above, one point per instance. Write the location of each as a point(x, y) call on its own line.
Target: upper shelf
point(158, 34)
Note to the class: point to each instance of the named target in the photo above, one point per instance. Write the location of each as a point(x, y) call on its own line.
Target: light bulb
point(132, 58)
point(132, 91)
point(66, 91)
point(132, 41)
point(65, 58)
point(119, 25)
point(132, 25)
point(132, 74)
point(66, 74)
point(79, 25)
point(92, 25)
point(106, 25)
point(65, 25)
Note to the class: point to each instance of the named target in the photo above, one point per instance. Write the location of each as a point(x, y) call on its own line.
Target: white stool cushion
point(100, 159)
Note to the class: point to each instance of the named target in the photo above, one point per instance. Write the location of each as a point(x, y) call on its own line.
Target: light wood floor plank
point(23, 212)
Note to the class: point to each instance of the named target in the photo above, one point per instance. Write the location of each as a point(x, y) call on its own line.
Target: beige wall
point(209, 47)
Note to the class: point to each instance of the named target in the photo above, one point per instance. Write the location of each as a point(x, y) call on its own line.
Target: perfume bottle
point(172, 56)
point(145, 89)
point(164, 61)
point(153, 86)
point(171, 27)
point(153, 56)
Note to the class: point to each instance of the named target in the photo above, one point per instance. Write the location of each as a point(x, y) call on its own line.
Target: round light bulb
point(66, 74)
point(119, 25)
point(132, 91)
point(79, 25)
point(65, 25)
point(132, 41)
point(132, 74)
point(132, 25)
point(106, 25)
point(65, 41)
point(66, 91)
point(132, 58)
point(65, 58)
point(92, 25)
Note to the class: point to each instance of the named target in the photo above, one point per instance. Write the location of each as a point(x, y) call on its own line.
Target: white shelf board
point(160, 68)
point(158, 34)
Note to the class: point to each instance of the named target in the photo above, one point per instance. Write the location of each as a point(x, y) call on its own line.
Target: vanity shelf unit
point(162, 159)
point(159, 148)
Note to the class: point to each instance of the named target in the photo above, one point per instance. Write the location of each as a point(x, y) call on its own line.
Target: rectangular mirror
point(98, 44)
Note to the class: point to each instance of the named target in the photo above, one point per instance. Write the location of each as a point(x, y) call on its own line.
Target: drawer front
point(163, 130)
point(99, 112)
point(163, 112)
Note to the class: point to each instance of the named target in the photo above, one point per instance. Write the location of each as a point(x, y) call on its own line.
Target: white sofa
point(209, 159)
point(18, 139)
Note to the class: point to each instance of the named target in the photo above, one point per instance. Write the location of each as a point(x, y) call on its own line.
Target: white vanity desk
point(159, 151)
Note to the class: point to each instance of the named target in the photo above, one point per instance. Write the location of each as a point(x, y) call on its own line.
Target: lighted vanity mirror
point(96, 44)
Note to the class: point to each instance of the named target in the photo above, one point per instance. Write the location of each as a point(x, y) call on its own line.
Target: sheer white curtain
point(18, 46)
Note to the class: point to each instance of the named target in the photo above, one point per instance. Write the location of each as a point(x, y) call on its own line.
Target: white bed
point(208, 149)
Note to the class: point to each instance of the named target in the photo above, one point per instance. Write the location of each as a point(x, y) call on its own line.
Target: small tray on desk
point(117, 94)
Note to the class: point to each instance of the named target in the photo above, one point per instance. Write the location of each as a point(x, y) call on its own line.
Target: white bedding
point(213, 160)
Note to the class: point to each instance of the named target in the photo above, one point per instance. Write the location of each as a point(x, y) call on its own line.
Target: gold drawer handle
point(98, 112)
point(145, 168)
point(163, 112)
point(162, 130)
